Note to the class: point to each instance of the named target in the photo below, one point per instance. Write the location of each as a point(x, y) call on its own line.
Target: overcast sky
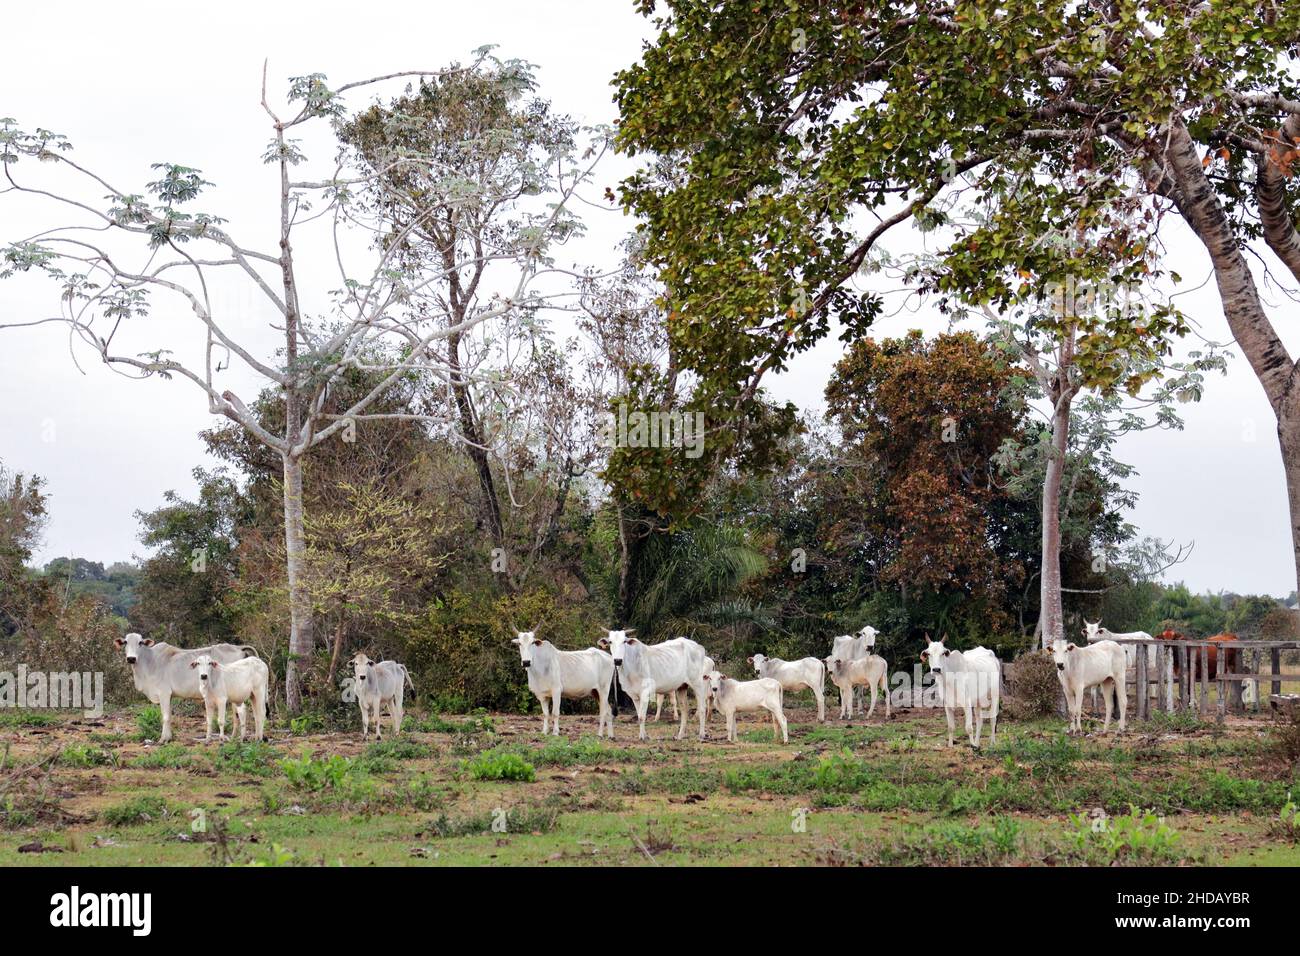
point(138, 83)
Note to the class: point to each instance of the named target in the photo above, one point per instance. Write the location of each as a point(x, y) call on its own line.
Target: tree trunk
point(338, 649)
point(1188, 186)
point(1288, 433)
point(1051, 612)
point(473, 438)
point(295, 546)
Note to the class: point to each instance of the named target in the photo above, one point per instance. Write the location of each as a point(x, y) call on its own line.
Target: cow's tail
point(407, 674)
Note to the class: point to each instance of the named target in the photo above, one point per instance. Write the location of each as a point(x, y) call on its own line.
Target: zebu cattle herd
point(967, 681)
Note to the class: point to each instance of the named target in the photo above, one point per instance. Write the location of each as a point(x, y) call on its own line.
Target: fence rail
point(1179, 672)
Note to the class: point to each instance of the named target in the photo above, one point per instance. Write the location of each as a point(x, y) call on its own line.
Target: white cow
point(553, 673)
point(762, 694)
point(645, 670)
point(162, 672)
point(659, 698)
point(379, 684)
point(850, 647)
point(870, 671)
point(239, 682)
point(1101, 664)
point(971, 680)
point(794, 676)
point(1095, 633)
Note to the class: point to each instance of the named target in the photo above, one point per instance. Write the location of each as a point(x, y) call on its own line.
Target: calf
point(553, 673)
point(162, 672)
point(870, 671)
point(379, 684)
point(971, 680)
point(1101, 664)
point(762, 694)
point(646, 670)
point(238, 682)
point(850, 647)
point(794, 676)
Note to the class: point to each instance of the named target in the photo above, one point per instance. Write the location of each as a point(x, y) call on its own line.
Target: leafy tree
point(23, 515)
point(478, 130)
point(184, 590)
point(155, 245)
point(788, 137)
point(922, 421)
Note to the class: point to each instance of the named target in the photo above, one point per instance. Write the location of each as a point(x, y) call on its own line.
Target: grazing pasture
point(489, 789)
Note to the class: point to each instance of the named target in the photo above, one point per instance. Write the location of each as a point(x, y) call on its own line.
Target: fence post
point(1204, 669)
point(1275, 658)
point(1160, 675)
point(1139, 674)
point(1220, 665)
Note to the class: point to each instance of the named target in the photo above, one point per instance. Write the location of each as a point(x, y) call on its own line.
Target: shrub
point(499, 764)
point(1284, 737)
point(1036, 688)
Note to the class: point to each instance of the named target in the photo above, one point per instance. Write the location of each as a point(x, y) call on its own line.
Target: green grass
point(28, 718)
point(167, 757)
point(876, 794)
point(137, 810)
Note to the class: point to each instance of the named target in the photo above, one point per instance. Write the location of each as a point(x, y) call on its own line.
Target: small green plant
point(514, 820)
point(1140, 837)
point(476, 723)
point(166, 757)
point(313, 774)
point(380, 757)
point(306, 724)
point(1175, 721)
point(83, 755)
point(278, 856)
point(500, 765)
point(1287, 824)
point(254, 758)
point(841, 773)
point(135, 811)
point(148, 723)
point(422, 794)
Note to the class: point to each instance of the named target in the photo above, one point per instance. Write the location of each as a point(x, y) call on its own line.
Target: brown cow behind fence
point(1231, 656)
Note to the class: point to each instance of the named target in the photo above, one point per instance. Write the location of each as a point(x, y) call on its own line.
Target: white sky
point(176, 83)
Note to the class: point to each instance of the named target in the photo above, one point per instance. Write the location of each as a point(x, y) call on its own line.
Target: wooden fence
point(1190, 687)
